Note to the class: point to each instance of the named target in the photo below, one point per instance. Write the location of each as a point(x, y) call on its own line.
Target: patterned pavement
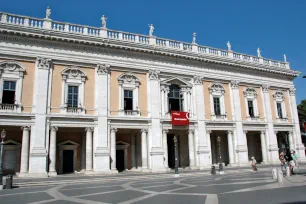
point(193, 187)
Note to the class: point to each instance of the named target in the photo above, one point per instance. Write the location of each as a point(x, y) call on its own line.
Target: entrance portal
point(283, 142)
point(254, 146)
point(171, 151)
point(68, 161)
point(120, 160)
point(219, 149)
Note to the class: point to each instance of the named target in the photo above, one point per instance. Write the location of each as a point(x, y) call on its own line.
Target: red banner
point(180, 118)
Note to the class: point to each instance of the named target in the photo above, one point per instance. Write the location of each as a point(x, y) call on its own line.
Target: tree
point(302, 114)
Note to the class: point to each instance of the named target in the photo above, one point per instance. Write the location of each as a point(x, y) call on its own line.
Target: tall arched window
point(175, 98)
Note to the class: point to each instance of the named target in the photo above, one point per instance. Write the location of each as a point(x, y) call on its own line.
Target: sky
point(276, 26)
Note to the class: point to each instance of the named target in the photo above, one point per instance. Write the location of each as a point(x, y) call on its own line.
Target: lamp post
point(219, 147)
point(176, 162)
point(3, 134)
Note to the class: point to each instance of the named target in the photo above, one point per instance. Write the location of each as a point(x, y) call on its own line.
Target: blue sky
point(276, 26)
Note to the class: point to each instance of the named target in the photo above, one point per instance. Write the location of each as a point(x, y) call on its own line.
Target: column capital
point(197, 79)
point(208, 131)
point(26, 128)
point(144, 130)
point(245, 131)
point(114, 130)
point(165, 131)
point(190, 131)
point(230, 132)
point(53, 128)
point(235, 84)
point(265, 88)
point(43, 63)
point(89, 129)
point(292, 91)
point(263, 132)
point(154, 74)
point(103, 69)
point(275, 132)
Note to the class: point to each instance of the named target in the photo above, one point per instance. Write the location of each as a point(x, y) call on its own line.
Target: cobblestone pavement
point(193, 187)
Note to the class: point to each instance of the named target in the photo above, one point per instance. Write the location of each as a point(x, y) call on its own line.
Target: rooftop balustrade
point(103, 32)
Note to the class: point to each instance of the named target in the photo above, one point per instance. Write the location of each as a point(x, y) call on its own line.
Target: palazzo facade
point(76, 98)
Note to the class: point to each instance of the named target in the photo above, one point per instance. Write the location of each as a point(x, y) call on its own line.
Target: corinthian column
point(144, 151)
point(296, 130)
point(230, 147)
point(191, 148)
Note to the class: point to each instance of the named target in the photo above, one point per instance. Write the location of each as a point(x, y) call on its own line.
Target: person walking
point(254, 162)
point(294, 160)
point(282, 160)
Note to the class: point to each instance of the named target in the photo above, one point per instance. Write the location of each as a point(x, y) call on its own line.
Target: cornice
point(92, 43)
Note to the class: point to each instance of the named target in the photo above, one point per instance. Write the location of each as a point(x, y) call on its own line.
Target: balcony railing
point(219, 116)
point(62, 27)
point(8, 107)
point(253, 118)
point(131, 112)
point(75, 110)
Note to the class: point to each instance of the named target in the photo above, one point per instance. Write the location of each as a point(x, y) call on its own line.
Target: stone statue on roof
point(48, 12)
point(229, 46)
point(103, 20)
point(259, 52)
point(285, 58)
point(194, 38)
point(151, 29)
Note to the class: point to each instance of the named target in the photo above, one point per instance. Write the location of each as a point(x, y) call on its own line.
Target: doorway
point(120, 160)
point(171, 151)
point(68, 161)
point(283, 142)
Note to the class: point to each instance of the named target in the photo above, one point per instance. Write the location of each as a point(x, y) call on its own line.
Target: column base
point(114, 171)
point(52, 174)
point(88, 172)
point(33, 175)
point(176, 175)
point(1, 187)
point(145, 170)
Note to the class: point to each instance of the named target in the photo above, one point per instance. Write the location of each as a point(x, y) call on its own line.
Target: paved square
point(192, 187)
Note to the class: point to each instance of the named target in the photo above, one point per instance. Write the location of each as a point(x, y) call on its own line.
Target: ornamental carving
point(73, 73)
point(128, 78)
point(216, 88)
point(292, 91)
point(197, 79)
point(153, 73)
point(250, 92)
point(11, 66)
point(165, 88)
point(103, 69)
point(43, 63)
point(235, 84)
point(279, 96)
point(265, 88)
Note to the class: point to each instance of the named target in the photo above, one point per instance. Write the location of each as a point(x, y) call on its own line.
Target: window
point(217, 106)
point(128, 100)
point(175, 98)
point(251, 108)
point(8, 95)
point(279, 110)
point(73, 91)
point(73, 95)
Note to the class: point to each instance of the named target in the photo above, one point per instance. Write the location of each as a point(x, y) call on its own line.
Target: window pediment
point(129, 78)
point(216, 88)
point(176, 81)
point(11, 67)
point(250, 93)
point(279, 96)
point(74, 73)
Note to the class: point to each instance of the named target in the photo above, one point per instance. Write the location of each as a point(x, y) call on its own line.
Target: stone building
point(76, 98)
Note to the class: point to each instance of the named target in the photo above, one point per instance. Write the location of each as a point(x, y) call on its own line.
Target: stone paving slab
point(24, 198)
point(22, 190)
point(164, 188)
point(115, 197)
point(292, 195)
point(62, 202)
point(215, 189)
point(177, 199)
point(84, 191)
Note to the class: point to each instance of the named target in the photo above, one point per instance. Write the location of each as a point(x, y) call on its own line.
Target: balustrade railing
point(74, 110)
point(131, 112)
point(8, 107)
point(6, 18)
